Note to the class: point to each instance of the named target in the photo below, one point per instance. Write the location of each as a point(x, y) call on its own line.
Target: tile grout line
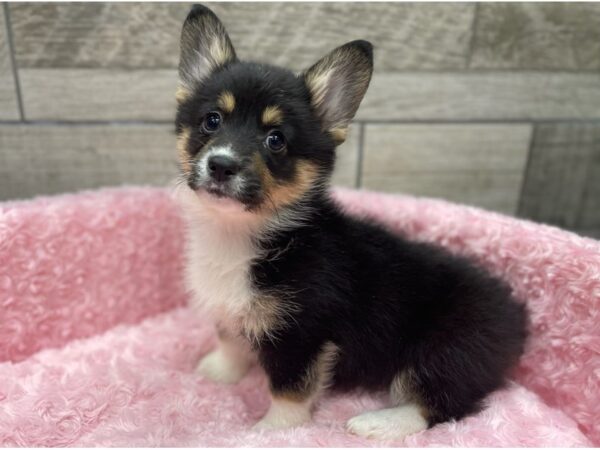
point(472, 40)
point(359, 162)
point(479, 121)
point(13, 60)
point(409, 70)
point(532, 140)
point(360, 122)
point(85, 123)
point(585, 191)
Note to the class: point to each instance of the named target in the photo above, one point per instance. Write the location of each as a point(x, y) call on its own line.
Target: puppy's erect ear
point(337, 84)
point(205, 46)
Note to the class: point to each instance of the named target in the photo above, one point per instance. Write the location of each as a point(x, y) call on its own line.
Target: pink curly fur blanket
point(97, 346)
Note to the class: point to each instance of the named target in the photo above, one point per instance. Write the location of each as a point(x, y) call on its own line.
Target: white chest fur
point(220, 251)
point(218, 270)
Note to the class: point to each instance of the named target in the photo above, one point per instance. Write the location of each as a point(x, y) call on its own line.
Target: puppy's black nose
point(222, 168)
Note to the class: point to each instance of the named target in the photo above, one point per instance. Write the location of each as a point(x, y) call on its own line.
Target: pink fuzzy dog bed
point(97, 346)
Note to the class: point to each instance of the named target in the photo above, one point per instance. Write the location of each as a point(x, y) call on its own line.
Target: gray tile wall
point(491, 104)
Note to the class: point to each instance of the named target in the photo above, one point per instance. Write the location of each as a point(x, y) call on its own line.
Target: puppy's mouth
point(219, 196)
point(219, 192)
point(234, 195)
point(216, 192)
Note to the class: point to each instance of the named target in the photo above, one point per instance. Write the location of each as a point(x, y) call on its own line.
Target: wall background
point(491, 104)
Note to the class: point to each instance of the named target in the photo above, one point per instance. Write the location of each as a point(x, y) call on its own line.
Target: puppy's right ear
point(205, 47)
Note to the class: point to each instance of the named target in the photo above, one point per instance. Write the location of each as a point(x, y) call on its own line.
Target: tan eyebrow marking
point(226, 101)
point(272, 115)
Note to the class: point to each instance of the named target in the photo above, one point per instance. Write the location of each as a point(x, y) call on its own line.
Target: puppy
point(318, 298)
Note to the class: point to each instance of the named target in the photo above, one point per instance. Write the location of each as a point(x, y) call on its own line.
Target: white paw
point(220, 367)
point(284, 414)
point(388, 424)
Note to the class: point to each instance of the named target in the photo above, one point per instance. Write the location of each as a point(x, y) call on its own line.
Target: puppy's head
point(256, 135)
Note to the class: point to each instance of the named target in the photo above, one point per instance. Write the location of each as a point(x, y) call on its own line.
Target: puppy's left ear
point(337, 83)
point(205, 46)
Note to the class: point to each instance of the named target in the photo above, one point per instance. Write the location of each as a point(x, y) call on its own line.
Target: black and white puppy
point(319, 298)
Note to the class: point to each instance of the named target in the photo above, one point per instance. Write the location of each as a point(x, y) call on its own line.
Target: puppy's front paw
point(219, 367)
point(388, 424)
point(284, 414)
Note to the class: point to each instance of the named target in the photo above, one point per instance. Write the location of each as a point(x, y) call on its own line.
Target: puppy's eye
point(211, 122)
point(275, 141)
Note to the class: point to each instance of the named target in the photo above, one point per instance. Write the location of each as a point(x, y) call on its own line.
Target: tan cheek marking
point(272, 115)
point(226, 102)
point(182, 150)
point(267, 179)
point(185, 159)
point(306, 174)
point(283, 194)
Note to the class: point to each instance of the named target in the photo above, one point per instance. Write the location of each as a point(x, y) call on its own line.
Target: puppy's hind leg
point(395, 423)
point(229, 362)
